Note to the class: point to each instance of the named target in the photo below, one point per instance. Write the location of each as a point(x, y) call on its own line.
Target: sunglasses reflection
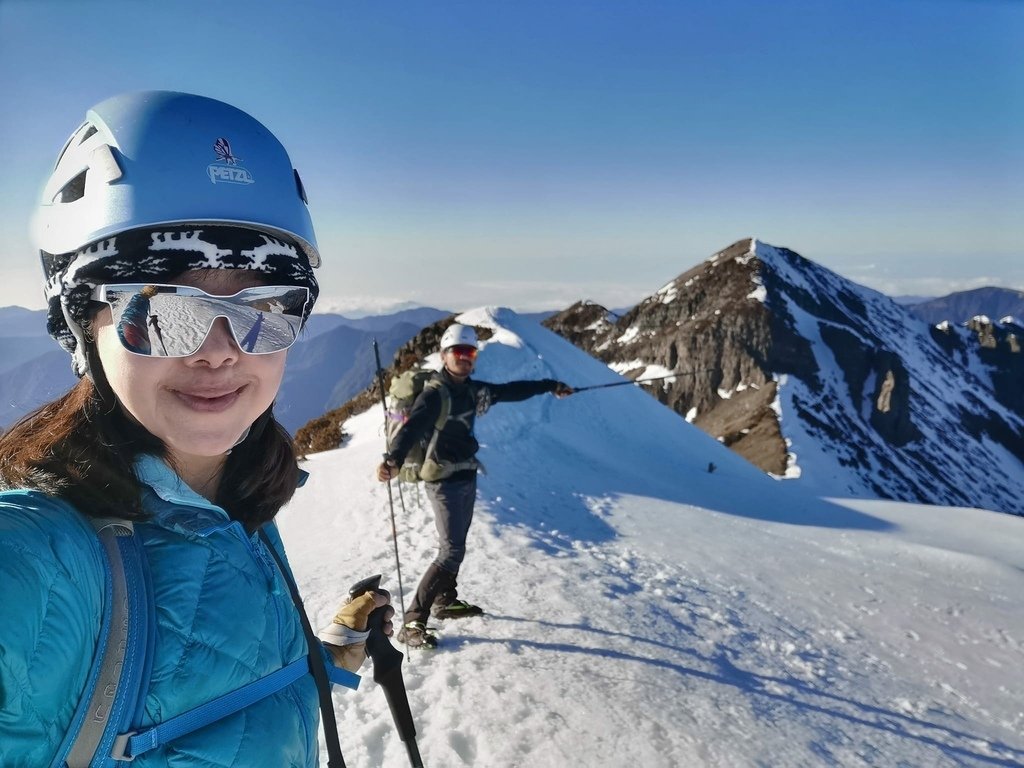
point(135, 322)
point(189, 319)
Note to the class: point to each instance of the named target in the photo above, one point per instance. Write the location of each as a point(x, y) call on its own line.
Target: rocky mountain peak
point(582, 321)
point(805, 373)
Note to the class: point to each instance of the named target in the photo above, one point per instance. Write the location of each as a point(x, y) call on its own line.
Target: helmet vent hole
point(73, 190)
point(299, 187)
point(90, 131)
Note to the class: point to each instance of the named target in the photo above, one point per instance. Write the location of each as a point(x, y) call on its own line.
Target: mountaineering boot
point(415, 634)
point(434, 586)
point(456, 609)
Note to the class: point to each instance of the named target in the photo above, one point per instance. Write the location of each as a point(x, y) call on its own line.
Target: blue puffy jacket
point(224, 618)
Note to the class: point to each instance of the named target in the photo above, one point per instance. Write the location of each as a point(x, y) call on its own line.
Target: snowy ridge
point(646, 611)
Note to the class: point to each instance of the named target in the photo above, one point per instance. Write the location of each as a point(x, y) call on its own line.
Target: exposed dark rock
point(888, 401)
point(728, 344)
point(581, 322)
point(1000, 351)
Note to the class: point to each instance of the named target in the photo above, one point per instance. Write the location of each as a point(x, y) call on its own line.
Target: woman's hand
point(345, 637)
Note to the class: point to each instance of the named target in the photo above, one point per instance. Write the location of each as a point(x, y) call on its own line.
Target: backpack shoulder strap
point(446, 401)
point(129, 744)
point(442, 417)
point(113, 690)
point(101, 732)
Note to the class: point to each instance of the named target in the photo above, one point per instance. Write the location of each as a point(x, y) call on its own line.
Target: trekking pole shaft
point(380, 382)
point(387, 673)
point(394, 539)
point(627, 382)
point(391, 500)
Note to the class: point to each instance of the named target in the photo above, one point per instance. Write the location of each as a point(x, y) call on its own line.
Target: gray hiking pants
point(453, 502)
point(453, 512)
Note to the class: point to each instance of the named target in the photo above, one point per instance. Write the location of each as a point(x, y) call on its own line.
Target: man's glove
point(387, 470)
point(345, 637)
point(562, 390)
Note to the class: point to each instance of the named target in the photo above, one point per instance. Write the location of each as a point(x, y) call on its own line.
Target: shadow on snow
point(799, 695)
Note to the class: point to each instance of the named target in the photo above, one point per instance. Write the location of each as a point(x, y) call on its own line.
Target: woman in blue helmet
point(187, 210)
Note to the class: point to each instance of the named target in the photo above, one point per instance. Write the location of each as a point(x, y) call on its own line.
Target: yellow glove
point(345, 637)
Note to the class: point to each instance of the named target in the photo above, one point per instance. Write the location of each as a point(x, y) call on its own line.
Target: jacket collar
point(166, 484)
point(448, 379)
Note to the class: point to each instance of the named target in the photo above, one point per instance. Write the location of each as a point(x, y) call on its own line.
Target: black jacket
point(457, 443)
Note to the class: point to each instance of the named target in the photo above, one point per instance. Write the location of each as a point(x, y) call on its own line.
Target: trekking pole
point(401, 501)
point(391, 500)
point(156, 329)
point(387, 673)
point(627, 382)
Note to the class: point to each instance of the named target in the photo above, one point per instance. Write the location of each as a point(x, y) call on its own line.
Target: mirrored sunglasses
point(174, 320)
point(463, 351)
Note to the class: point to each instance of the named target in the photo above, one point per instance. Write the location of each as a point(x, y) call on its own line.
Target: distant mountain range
point(994, 303)
point(331, 361)
point(33, 368)
point(328, 369)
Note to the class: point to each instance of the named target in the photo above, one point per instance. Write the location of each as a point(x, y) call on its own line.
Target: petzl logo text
point(227, 168)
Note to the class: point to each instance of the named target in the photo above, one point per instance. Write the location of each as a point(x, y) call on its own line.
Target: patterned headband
point(156, 255)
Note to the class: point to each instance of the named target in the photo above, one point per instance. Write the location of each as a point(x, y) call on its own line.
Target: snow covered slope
point(644, 611)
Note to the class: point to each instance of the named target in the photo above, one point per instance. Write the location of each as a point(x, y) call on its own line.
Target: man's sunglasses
point(463, 351)
point(174, 320)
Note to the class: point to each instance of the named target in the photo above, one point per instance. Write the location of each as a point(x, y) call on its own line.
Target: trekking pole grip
point(384, 655)
point(387, 671)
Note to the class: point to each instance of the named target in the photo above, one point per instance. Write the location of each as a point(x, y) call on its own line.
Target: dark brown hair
point(82, 448)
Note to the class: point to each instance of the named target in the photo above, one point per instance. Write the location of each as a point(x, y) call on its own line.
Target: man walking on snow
point(452, 496)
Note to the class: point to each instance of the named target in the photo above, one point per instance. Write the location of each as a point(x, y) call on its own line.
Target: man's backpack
point(421, 462)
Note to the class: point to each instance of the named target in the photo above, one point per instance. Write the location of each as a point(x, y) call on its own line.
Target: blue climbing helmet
point(160, 157)
point(157, 183)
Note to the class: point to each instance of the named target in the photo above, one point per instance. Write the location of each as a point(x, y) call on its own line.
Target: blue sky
point(529, 154)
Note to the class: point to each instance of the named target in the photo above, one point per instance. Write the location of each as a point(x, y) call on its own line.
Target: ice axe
point(387, 671)
point(627, 382)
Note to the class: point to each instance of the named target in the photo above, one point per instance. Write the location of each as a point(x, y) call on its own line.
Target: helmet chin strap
point(255, 430)
point(240, 440)
point(94, 372)
point(85, 356)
